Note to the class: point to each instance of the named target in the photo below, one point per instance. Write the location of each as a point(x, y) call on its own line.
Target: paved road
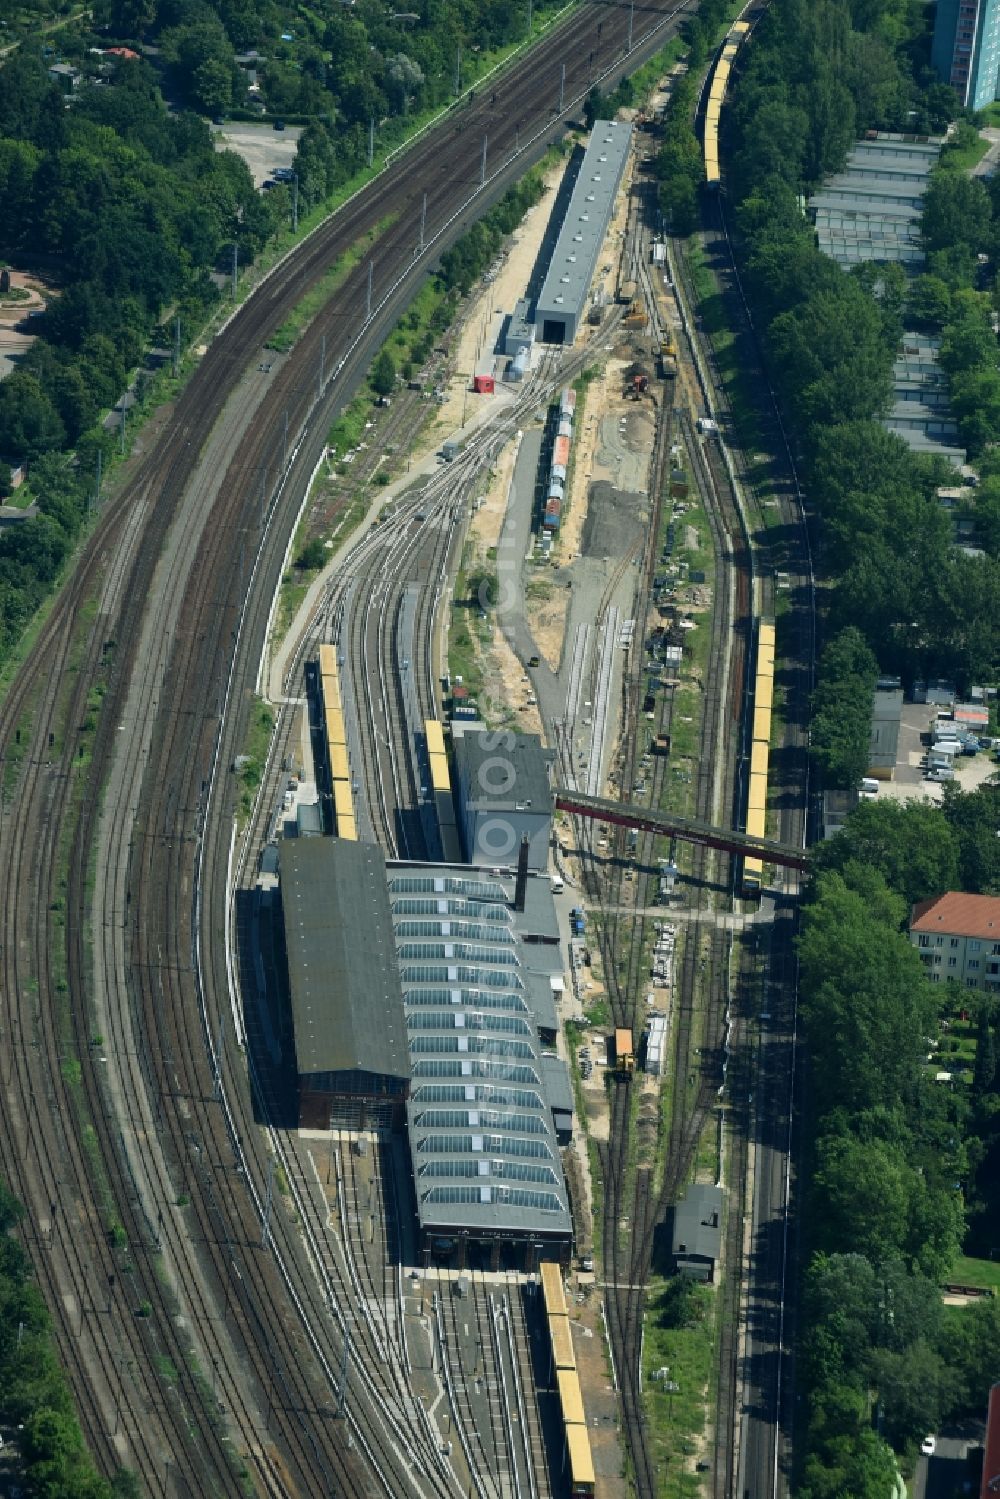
point(945, 1474)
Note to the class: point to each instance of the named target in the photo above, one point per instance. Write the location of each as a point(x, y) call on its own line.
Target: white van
point(556, 881)
point(941, 773)
point(869, 784)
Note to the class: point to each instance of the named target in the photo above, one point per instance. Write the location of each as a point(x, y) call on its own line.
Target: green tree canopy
point(910, 844)
point(840, 735)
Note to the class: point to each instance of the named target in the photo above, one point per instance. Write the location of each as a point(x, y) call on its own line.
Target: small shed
point(697, 1237)
point(483, 385)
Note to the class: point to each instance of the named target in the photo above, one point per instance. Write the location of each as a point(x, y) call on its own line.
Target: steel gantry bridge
point(687, 829)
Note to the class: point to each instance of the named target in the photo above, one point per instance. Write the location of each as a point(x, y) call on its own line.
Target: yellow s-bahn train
point(717, 97)
point(335, 744)
point(760, 752)
point(577, 1456)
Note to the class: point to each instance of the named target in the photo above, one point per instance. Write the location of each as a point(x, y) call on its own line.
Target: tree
point(679, 201)
point(383, 376)
point(986, 1057)
point(956, 212)
point(865, 1188)
point(592, 107)
point(403, 81)
point(913, 1390)
point(930, 301)
point(910, 844)
point(29, 423)
point(840, 734)
point(974, 817)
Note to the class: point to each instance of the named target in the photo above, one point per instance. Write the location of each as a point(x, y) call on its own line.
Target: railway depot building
point(562, 301)
point(504, 795)
point(424, 996)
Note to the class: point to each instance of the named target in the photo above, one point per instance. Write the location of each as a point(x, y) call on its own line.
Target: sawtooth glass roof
point(482, 1138)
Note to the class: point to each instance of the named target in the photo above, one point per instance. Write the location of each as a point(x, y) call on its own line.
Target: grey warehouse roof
point(480, 1113)
point(504, 775)
point(871, 211)
point(698, 1223)
point(346, 1003)
point(574, 258)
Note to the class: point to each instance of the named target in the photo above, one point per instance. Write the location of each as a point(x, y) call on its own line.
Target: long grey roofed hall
point(563, 296)
point(346, 1000)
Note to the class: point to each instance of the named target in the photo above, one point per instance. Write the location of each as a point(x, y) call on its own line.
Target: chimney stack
point(521, 888)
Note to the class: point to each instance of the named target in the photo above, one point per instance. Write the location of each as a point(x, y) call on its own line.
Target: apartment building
point(966, 48)
point(958, 937)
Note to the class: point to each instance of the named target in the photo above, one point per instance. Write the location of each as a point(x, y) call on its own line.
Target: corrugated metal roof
point(346, 1002)
point(574, 257)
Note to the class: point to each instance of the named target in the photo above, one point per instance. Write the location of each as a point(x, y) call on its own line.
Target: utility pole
point(345, 1363)
point(123, 425)
point(235, 264)
point(97, 484)
point(322, 362)
point(368, 304)
point(562, 85)
point(295, 202)
point(482, 169)
point(266, 1235)
point(371, 139)
point(529, 17)
point(284, 444)
point(423, 223)
point(458, 71)
point(631, 22)
point(217, 1081)
point(177, 347)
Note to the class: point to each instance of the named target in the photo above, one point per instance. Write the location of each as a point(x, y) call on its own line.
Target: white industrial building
point(562, 300)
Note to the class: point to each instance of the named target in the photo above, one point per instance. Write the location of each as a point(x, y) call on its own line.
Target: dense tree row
point(469, 258)
point(900, 1169)
point(817, 75)
point(840, 733)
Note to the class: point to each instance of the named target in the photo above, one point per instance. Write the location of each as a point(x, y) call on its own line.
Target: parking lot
point(261, 146)
point(909, 783)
